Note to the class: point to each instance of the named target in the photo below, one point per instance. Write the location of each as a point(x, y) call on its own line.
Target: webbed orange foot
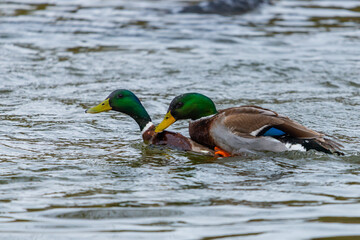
point(221, 153)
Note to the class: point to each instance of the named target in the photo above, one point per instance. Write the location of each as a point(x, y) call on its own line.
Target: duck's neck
point(138, 113)
point(204, 111)
point(209, 113)
point(142, 119)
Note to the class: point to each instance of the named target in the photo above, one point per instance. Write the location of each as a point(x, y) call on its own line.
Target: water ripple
point(68, 175)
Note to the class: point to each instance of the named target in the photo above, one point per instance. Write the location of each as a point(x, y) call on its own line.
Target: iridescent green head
point(187, 106)
point(124, 101)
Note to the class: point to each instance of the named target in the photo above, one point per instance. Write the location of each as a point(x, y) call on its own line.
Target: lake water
point(69, 175)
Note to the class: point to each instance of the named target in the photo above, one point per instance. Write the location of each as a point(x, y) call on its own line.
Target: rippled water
point(69, 175)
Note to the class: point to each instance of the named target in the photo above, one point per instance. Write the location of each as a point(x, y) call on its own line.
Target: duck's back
point(252, 121)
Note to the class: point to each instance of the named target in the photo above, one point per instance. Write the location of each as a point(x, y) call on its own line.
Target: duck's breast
point(199, 131)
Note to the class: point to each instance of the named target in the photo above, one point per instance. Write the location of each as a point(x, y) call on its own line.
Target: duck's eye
point(120, 95)
point(179, 105)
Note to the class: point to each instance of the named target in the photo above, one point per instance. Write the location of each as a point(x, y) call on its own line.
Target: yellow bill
point(102, 107)
point(168, 120)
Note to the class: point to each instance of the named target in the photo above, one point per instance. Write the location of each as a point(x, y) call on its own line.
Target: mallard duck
point(243, 129)
point(125, 101)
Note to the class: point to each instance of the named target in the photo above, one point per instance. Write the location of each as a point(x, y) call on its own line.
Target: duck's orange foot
point(221, 153)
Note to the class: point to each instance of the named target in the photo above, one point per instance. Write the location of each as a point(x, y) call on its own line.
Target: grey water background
point(69, 175)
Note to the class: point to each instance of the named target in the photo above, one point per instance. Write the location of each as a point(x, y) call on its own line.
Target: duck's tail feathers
point(321, 144)
point(332, 146)
point(325, 145)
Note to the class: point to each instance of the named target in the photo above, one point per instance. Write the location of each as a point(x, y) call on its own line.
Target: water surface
point(69, 175)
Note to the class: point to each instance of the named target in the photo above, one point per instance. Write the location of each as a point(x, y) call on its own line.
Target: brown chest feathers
point(199, 131)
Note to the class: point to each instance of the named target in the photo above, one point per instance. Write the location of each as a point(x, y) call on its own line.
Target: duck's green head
point(187, 106)
point(124, 101)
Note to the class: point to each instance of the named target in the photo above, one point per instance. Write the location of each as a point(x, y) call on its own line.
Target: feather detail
point(252, 128)
point(273, 132)
point(172, 140)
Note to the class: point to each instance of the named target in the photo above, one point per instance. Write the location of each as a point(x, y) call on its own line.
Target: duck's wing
point(253, 122)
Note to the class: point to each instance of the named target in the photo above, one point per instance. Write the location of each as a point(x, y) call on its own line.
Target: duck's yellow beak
point(168, 120)
point(102, 107)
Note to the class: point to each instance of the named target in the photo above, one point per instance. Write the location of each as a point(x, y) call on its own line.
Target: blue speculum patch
point(273, 132)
